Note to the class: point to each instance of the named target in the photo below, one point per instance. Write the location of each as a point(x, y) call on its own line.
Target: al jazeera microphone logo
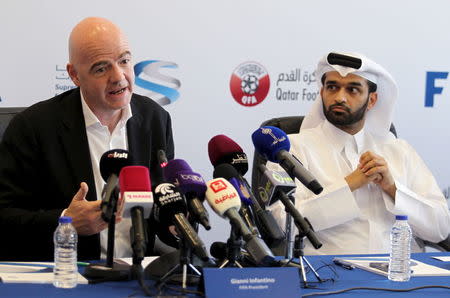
point(249, 84)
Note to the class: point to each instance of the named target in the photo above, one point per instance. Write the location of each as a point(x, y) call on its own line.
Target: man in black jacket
point(50, 152)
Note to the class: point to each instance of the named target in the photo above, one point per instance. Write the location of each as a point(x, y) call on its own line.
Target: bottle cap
point(65, 219)
point(401, 217)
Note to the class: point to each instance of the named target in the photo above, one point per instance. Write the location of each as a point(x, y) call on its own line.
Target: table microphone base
point(101, 272)
point(170, 261)
point(176, 276)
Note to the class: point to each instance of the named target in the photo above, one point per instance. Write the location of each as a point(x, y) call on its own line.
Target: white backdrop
point(208, 40)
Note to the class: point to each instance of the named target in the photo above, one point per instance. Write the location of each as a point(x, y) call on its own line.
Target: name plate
point(252, 282)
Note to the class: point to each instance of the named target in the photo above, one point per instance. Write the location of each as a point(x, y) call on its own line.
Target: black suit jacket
point(44, 156)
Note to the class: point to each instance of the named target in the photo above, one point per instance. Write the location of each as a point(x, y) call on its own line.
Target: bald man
point(50, 153)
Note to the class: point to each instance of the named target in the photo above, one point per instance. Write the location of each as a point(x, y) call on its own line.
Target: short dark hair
point(372, 85)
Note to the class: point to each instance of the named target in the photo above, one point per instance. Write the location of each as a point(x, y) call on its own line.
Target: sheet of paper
point(34, 278)
point(30, 272)
point(443, 258)
point(145, 262)
point(12, 268)
point(374, 264)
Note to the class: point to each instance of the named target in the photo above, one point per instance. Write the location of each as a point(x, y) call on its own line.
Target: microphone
point(303, 225)
point(228, 172)
point(218, 250)
point(111, 163)
point(223, 199)
point(162, 158)
point(273, 143)
point(192, 186)
point(221, 251)
point(222, 149)
point(272, 182)
point(170, 209)
point(136, 193)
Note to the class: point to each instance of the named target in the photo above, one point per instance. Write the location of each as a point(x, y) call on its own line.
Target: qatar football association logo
point(249, 84)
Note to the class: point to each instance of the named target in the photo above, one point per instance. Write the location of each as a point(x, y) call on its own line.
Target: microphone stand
point(165, 267)
point(299, 245)
point(138, 239)
point(299, 253)
point(234, 244)
point(110, 271)
point(289, 243)
point(184, 264)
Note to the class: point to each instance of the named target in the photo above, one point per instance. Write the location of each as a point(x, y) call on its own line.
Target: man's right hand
point(357, 179)
point(86, 215)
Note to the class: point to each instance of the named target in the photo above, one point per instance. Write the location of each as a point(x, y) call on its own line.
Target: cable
point(144, 286)
point(315, 284)
point(376, 289)
point(138, 273)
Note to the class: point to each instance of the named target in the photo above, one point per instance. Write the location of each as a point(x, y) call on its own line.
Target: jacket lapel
point(139, 137)
point(75, 142)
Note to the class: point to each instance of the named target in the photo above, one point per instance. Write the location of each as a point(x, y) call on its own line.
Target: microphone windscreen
point(222, 196)
point(269, 140)
point(222, 149)
point(226, 171)
point(172, 168)
point(113, 161)
point(218, 250)
point(134, 178)
point(191, 183)
point(168, 202)
point(220, 146)
point(162, 158)
point(135, 189)
point(179, 172)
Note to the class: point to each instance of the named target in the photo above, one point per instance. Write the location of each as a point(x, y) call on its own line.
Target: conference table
point(338, 278)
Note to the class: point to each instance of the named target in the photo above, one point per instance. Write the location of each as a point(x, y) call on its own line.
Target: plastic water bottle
point(65, 272)
point(399, 261)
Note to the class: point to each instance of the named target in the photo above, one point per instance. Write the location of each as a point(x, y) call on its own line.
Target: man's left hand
point(373, 164)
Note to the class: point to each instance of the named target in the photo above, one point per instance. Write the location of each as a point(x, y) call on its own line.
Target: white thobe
point(359, 222)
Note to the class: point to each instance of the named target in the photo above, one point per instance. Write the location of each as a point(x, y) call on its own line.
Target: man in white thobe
point(368, 175)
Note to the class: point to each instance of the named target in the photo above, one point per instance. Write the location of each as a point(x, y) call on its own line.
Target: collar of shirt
point(340, 138)
point(90, 119)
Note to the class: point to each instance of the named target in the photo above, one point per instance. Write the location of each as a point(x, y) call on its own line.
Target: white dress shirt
point(359, 222)
point(101, 140)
